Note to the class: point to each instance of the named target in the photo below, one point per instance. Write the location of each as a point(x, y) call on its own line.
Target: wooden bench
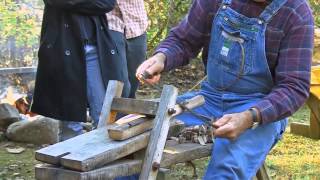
point(174, 153)
point(311, 130)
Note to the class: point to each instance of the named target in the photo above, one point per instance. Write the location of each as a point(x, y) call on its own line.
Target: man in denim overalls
point(258, 56)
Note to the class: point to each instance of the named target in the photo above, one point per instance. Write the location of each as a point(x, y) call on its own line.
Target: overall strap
point(226, 2)
point(271, 10)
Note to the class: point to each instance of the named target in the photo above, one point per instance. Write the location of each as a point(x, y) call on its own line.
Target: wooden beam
point(314, 105)
point(135, 126)
point(135, 106)
point(107, 116)
point(151, 163)
point(181, 153)
point(18, 70)
point(130, 129)
point(120, 168)
point(301, 129)
point(262, 173)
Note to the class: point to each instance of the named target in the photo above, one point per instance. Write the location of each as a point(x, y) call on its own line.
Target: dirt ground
point(293, 158)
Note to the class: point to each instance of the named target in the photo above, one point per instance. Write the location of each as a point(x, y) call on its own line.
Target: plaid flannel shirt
point(129, 17)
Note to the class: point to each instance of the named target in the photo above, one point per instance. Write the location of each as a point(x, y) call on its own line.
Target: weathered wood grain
point(159, 133)
point(94, 149)
point(135, 106)
point(181, 153)
point(91, 150)
point(108, 116)
point(120, 168)
point(130, 129)
point(174, 153)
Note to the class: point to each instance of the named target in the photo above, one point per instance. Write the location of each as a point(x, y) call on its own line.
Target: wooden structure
point(311, 130)
point(94, 155)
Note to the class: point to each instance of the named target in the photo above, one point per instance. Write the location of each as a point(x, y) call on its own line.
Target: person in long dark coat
point(77, 58)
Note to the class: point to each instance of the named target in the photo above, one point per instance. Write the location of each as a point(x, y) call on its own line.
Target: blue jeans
point(95, 94)
point(134, 51)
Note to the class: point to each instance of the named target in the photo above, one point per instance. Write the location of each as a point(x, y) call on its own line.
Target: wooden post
point(107, 116)
point(159, 134)
point(262, 173)
point(314, 105)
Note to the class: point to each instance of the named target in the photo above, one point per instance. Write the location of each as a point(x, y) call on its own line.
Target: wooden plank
point(120, 168)
point(107, 116)
point(301, 129)
point(18, 70)
point(139, 125)
point(158, 134)
point(90, 150)
point(314, 105)
point(173, 153)
point(130, 129)
point(181, 153)
point(135, 106)
point(93, 149)
point(262, 173)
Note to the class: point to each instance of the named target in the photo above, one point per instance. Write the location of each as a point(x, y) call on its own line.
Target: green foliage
point(315, 4)
point(163, 15)
point(19, 32)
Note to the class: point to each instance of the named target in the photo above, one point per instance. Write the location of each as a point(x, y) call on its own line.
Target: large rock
point(8, 115)
point(42, 130)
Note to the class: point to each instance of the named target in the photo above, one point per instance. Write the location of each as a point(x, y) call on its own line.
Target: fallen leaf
point(15, 150)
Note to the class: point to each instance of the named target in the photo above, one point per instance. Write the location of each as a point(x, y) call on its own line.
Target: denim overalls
point(238, 77)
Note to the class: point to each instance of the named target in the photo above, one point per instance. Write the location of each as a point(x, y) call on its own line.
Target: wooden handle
point(190, 103)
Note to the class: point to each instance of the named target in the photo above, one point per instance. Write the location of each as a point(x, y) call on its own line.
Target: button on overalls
point(238, 77)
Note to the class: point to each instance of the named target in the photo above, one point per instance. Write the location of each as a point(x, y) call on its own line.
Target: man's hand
point(153, 66)
point(230, 126)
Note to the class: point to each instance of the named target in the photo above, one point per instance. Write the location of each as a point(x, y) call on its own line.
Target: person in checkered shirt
point(128, 23)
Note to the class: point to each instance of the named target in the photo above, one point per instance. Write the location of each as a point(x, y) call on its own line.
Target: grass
point(16, 166)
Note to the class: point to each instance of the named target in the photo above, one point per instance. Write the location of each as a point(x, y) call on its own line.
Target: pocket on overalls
point(235, 52)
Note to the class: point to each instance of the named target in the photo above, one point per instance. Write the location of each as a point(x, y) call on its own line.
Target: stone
point(41, 130)
point(8, 115)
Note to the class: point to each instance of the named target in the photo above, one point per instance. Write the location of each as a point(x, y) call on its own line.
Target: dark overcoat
point(60, 89)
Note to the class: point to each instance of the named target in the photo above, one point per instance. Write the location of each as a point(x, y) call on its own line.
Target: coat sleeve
point(89, 7)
